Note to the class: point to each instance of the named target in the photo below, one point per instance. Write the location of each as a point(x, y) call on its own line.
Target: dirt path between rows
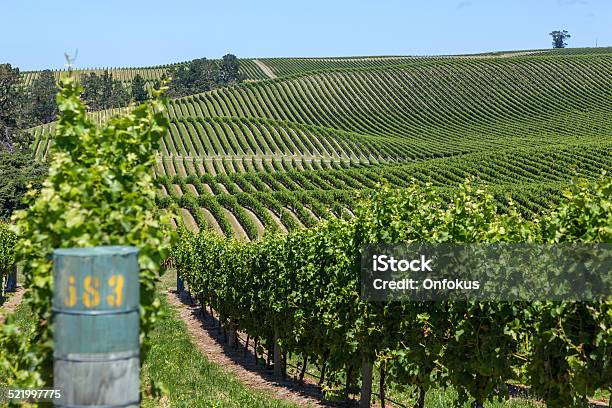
point(203, 330)
point(10, 306)
point(266, 69)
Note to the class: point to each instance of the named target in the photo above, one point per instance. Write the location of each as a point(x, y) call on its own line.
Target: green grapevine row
point(301, 292)
point(513, 171)
point(7, 252)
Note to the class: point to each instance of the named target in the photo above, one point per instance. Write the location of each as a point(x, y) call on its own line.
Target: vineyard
point(299, 294)
point(283, 153)
point(279, 182)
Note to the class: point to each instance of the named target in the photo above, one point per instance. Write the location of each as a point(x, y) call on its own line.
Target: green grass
point(439, 398)
point(435, 398)
point(191, 379)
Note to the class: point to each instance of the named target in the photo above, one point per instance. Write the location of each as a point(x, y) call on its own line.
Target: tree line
point(26, 106)
point(22, 107)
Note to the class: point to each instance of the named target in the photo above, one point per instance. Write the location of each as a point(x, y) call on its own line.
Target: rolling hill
point(279, 153)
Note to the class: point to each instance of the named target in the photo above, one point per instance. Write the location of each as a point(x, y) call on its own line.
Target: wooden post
point(11, 282)
point(323, 367)
point(232, 337)
point(96, 319)
point(366, 386)
point(180, 286)
point(303, 371)
point(381, 386)
point(278, 372)
point(255, 343)
point(348, 387)
point(421, 400)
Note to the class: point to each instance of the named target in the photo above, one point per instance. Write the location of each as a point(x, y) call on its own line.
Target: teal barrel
point(96, 319)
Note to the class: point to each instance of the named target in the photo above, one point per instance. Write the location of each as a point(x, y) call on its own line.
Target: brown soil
point(190, 222)
point(12, 303)
point(266, 69)
point(239, 232)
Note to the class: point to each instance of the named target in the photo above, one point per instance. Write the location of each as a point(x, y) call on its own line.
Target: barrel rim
point(94, 312)
point(103, 250)
point(125, 405)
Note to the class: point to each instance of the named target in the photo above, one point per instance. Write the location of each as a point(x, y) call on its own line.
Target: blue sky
point(35, 34)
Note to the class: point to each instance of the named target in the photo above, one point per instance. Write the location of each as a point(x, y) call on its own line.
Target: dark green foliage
point(196, 76)
point(571, 357)
point(12, 103)
point(8, 239)
point(228, 70)
point(559, 37)
point(42, 94)
point(305, 286)
point(17, 171)
point(201, 75)
point(103, 92)
point(139, 93)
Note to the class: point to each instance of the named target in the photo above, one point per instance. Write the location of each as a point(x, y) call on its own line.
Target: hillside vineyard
point(281, 153)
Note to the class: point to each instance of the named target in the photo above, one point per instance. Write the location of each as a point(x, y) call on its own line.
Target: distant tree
point(196, 76)
point(42, 97)
point(139, 93)
point(158, 82)
point(103, 92)
point(17, 171)
point(13, 108)
point(92, 90)
point(119, 96)
point(229, 70)
point(558, 38)
point(203, 74)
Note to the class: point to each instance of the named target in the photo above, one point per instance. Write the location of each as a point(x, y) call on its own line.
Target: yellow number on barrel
point(91, 297)
point(116, 282)
point(71, 298)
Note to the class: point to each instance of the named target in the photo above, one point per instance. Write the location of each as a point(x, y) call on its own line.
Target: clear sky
point(35, 34)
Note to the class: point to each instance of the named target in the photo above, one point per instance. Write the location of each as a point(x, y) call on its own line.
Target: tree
point(17, 169)
point(194, 77)
point(12, 113)
point(119, 95)
point(91, 90)
point(203, 75)
point(18, 172)
point(42, 97)
point(103, 92)
point(139, 93)
point(559, 38)
point(228, 71)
